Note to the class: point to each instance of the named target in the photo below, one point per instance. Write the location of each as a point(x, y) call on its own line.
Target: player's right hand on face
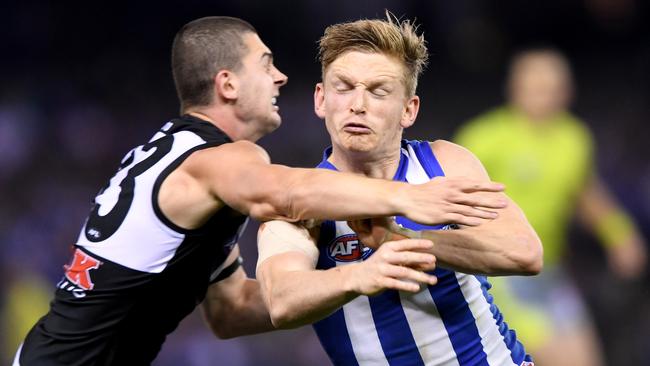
point(457, 200)
point(396, 265)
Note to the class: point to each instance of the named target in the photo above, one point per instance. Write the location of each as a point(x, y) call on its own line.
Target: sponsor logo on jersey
point(78, 271)
point(527, 363)
point(347, 248)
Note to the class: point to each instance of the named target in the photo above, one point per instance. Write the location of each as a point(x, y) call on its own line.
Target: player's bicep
point(238, 174)
point(457, 161)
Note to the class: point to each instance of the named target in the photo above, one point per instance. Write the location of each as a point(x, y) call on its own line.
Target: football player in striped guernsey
point(409, 301)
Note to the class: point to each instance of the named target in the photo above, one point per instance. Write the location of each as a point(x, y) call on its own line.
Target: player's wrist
point(350, 280)
point(614, 229)
point(401, 199)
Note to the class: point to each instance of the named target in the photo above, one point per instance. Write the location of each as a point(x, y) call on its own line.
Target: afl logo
point(347, 248)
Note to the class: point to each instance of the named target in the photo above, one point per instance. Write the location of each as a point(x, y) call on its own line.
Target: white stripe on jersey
point(428, 329)
point(363, 334)
point(360, 324)
point(415, 173)
point(493, 342)
point(157, 244)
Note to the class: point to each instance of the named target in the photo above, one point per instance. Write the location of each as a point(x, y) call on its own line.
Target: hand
point(396, 265)
point(463, 201)
point(376, 231)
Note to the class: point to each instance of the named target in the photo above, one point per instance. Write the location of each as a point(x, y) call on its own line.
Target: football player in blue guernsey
point(162, 234)
point(429, 305)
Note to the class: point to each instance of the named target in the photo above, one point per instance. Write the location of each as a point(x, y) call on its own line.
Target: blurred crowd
point(79, 87)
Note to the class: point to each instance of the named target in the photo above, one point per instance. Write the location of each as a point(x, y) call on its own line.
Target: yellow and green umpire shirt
point(543, 165)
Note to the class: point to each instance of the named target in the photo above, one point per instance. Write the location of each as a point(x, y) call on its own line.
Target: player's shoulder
point(456, 160)
point(447, 151)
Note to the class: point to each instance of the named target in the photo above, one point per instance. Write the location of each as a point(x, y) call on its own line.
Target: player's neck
point(224, 121)
point(370, 164)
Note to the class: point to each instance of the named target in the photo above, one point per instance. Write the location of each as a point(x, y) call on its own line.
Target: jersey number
point(99, 227)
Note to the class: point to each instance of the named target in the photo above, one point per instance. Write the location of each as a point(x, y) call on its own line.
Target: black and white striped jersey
point(134, 274)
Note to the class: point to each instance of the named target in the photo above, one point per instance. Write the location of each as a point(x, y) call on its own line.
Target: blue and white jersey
point(453, 323)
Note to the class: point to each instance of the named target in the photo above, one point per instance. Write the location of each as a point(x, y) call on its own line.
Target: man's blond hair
point(390, 36)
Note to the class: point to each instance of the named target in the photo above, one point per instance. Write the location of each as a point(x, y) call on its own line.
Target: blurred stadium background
point(81, 83)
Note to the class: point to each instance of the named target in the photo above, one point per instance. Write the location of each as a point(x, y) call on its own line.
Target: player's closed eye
point(380, 92)
point(342, 86)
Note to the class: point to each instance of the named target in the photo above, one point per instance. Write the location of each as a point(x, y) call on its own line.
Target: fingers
point(398, 265)
point(471, 216)
point(469, 186)
point(409, 245)
point(407, 253)
point(480, 199)
point(409, 259)
point(405, 278)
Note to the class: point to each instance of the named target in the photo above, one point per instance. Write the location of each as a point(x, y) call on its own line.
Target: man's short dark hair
point(200, 50)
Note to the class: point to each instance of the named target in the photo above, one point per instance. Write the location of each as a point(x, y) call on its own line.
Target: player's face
point(364, 102)
point(540, 87)
point(259, 87)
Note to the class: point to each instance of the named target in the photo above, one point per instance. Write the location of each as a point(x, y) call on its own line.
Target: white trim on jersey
point(493, 343)
point(156, 244)
point(415, 173)
point(17, 357)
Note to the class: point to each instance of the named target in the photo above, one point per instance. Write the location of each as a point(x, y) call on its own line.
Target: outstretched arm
point(240, 175)
point(599, 211)
point(297, 294)
point(503, 246)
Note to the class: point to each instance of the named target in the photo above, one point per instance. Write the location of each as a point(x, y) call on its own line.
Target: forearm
point(297, 298)
point(600, 212)
point(482, 252)
point(301, 194)
point(242, 314)
point(251, 315)
point(504, 246)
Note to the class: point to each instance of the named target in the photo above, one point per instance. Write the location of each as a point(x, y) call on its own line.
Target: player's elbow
point(278, 200)
point(222, 328)
point(224, 333)
point(281, 315)
point(529, 260)
point(225, 320)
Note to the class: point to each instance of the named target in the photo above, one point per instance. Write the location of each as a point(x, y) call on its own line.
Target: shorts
point(537, 307)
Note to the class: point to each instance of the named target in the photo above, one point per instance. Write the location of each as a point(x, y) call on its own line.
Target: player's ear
point(319, 100)
point(226, 85)
point(410, 112)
